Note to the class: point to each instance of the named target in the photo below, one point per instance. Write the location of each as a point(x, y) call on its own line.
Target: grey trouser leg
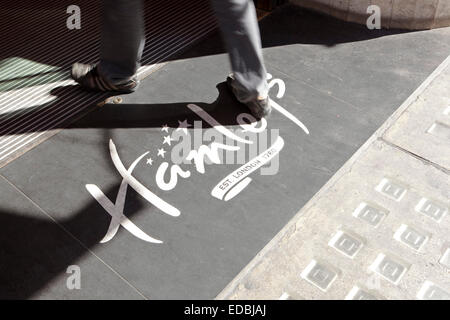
point(239, 25)
point(123, 38)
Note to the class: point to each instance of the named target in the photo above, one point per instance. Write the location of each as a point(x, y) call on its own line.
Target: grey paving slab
point(365, 68)
point(206, 240)
point(39, 260)
point(376, 69)
point(211, 240)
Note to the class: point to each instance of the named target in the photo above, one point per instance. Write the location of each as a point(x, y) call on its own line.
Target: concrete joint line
point(414, 155)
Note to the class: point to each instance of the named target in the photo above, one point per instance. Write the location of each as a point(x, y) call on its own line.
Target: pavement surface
point(109, 200)
point(379, 229)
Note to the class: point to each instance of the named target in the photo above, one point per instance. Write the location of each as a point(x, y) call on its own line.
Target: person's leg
point(239, 25)
point(122, 39)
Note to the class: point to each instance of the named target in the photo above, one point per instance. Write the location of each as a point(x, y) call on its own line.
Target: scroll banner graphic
point(236, 181)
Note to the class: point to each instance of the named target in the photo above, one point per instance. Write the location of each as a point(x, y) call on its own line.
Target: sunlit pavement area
point(356, 206)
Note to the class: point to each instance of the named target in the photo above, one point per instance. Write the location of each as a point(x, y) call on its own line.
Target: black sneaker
point(88, 77)
point(259, 107)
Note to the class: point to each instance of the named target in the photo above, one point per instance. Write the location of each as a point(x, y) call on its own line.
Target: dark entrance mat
point(37, 97)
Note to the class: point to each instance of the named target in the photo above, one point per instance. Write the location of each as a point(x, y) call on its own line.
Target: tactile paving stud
point(319, 275)
point(440, 130)
point(391, 189)
point(430, 291)
point(359, 294)
point(370, 213)
point(445, 259)
point(447, 111)
point(285, 296)
point(389, 268)
point(411, 237)
point(431, 209)
point(346, 243)
point(290, 295)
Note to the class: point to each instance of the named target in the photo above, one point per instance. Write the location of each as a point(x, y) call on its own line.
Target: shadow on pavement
point(34, 251)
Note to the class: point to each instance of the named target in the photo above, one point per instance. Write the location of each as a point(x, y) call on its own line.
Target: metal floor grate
point(37, 97)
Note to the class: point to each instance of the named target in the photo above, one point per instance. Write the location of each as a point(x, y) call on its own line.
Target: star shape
point(161, 152)
point(150, 161)
point(167, 139)
point(183, 125)
point(165, 128)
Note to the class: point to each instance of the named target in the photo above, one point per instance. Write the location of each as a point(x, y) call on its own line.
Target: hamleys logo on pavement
point(190, 147)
